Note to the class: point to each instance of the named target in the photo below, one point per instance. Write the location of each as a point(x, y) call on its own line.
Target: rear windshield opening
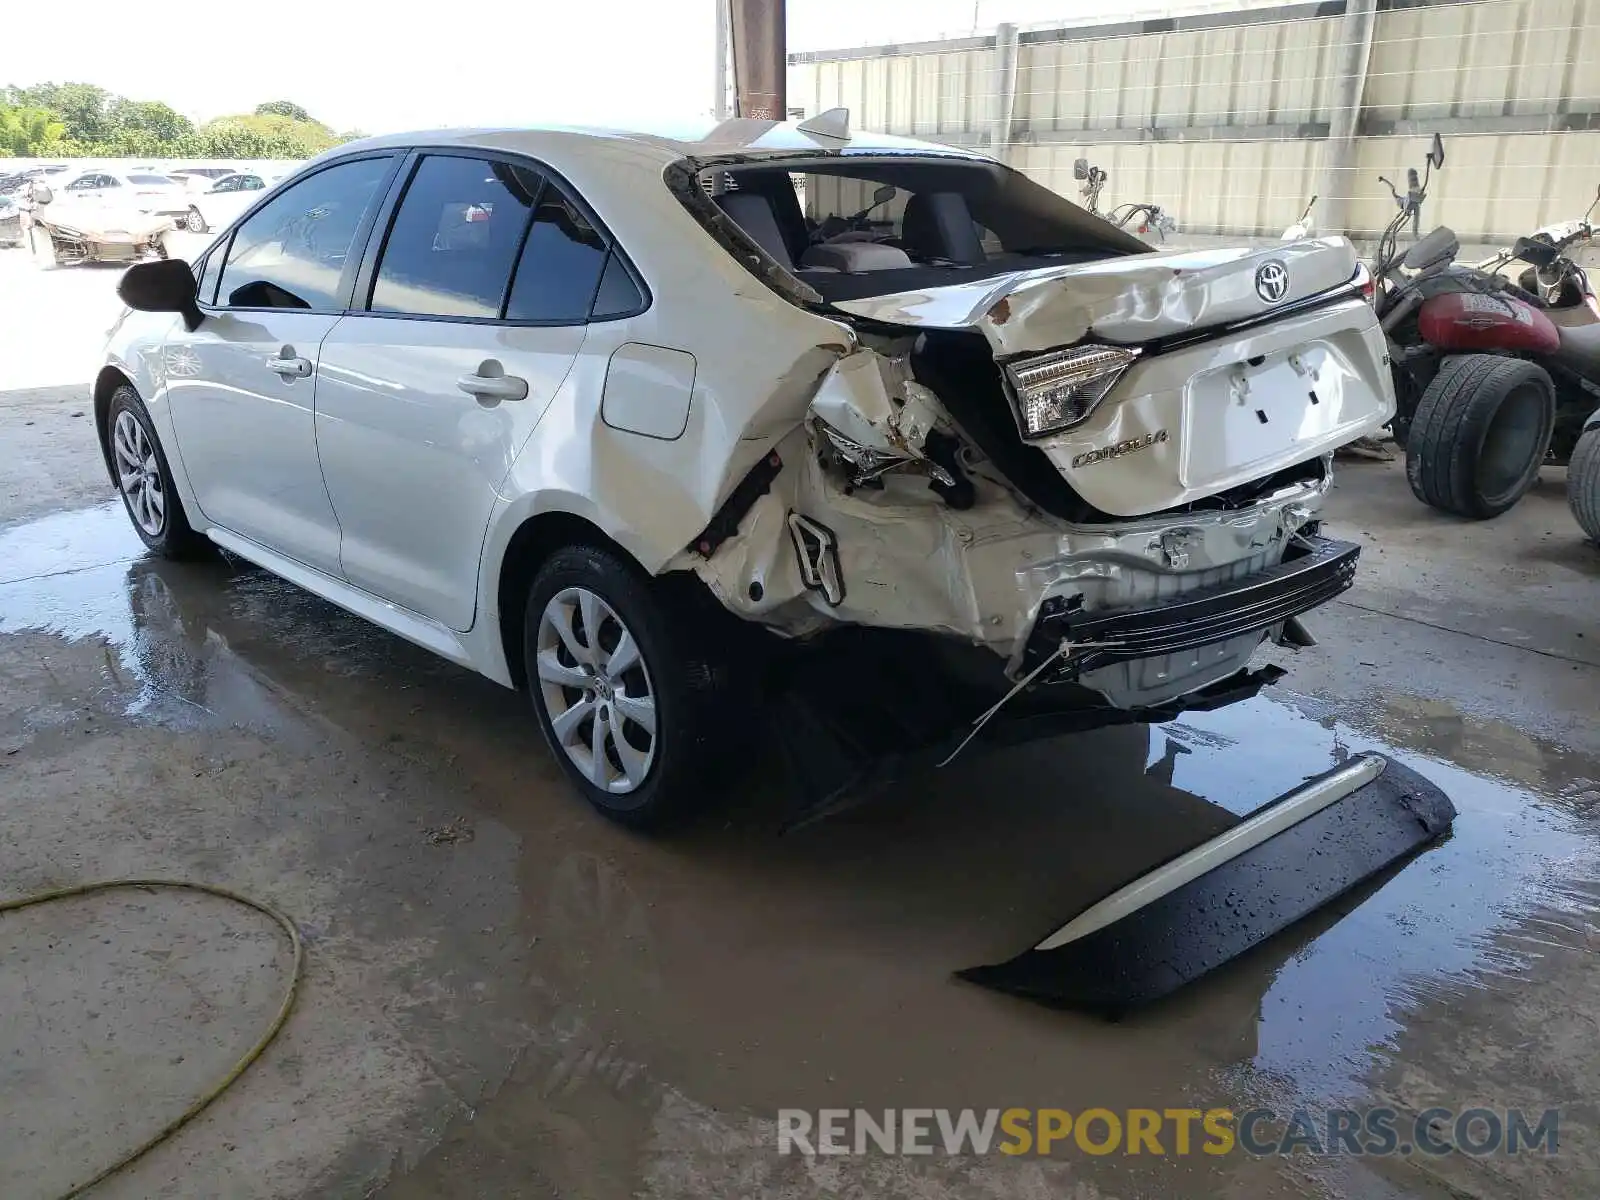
point(852, 228)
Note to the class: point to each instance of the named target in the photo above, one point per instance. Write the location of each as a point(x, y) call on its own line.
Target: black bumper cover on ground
point(1311, 574)
point(1201, 925)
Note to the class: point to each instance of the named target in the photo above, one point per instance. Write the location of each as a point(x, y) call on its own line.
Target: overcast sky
point(356, 64)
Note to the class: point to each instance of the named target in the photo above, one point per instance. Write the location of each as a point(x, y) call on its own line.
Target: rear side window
point(453, 244)
point(618, 295)
point(561, 264)
point(292, 252)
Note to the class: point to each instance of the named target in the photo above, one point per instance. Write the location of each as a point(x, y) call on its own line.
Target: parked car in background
point(145, 191)
point(10, 221)
point(224, 200)
point(200, 179)
point(538, 402)
point(112, 228)
point(15, 182)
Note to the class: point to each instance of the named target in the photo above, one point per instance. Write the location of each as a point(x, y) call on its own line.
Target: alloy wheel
point(596, 690)
point(139, 474)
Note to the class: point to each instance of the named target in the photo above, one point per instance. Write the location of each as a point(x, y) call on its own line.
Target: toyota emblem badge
point(1272, 281)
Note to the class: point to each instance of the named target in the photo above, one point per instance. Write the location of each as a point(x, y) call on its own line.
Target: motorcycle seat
point(1572, 315)
point(1580, 348)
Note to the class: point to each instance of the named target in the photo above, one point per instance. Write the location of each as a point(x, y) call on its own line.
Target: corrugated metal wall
point(1223, 119)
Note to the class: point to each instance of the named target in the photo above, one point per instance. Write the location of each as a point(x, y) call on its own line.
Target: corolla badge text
point(1118, 449)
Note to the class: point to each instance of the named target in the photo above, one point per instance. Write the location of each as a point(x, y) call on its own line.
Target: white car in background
point(200, 179)
point(137, 191)
point(225, 199)
point(613, 419)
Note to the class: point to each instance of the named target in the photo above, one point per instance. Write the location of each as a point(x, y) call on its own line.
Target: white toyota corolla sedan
point(608, 416)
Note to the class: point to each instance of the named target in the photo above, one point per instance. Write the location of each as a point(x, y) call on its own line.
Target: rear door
point(474, 312)
point(241, 387)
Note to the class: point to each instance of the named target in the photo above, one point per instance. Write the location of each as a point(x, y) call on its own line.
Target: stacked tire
point(1583, 480)
point(1480, 433)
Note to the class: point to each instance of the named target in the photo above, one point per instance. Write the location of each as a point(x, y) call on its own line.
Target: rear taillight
point(1365, 283)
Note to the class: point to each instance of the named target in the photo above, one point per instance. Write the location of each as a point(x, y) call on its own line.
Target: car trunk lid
point(1128, 300)
point(1249, 362)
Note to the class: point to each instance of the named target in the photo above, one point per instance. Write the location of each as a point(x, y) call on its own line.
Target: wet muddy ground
point(506, 997)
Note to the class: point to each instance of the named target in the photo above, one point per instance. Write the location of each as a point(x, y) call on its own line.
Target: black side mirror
point(1436, 152)
point(1540, 254)
point(163, 286)
point(1080, 168)
point(884, 194)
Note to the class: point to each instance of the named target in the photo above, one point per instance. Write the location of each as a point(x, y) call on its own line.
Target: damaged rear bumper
point(1313, 571)
point(1187, 916)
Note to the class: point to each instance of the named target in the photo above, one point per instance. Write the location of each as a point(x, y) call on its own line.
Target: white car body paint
point(388, 393)
point(377, 483)
point(248, 434)
point(649, 390)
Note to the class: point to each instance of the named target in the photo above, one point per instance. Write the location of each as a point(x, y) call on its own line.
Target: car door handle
point(490, 382)
point(286, 364)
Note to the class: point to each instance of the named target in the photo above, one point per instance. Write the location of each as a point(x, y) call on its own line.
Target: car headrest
point(753, 214)
point(939, 225)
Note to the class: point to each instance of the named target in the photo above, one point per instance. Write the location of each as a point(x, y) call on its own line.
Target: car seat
point(752, 212)
point(939, 225)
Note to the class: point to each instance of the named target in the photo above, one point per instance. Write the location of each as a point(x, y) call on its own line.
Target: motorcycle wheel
point(1480, 433)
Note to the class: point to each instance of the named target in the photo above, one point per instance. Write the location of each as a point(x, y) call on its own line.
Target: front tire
point(144, 481)
point(1583, 483)
point(624, 687)
point(194, 222)
point(1480, 433)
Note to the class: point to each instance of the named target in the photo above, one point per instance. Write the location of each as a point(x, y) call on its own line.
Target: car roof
point(736, 138)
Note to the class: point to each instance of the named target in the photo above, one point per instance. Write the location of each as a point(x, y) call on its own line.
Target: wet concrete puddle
point(744, 972)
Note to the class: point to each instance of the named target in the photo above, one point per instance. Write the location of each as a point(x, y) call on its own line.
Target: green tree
point(29, 132)
point(82, 108)
point(146, 117)
point(282, 108)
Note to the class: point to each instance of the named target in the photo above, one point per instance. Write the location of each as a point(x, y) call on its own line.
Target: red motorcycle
point(1493, 377)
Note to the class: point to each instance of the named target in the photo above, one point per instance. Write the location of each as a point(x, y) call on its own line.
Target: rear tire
point(1480, 433)
point(643, 777)
point(1583, 483)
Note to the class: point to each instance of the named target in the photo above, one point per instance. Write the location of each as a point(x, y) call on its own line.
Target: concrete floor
point(507, 997)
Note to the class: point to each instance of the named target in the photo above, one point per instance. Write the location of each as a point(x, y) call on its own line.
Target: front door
point(242, 386)
point(424, 400)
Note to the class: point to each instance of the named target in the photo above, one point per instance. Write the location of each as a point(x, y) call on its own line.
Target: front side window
point(109, 181)
point(292, 252)
point(84, 184)
point(561, 264)
point(454, 239)
point(227, 185)
point(210, 272)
